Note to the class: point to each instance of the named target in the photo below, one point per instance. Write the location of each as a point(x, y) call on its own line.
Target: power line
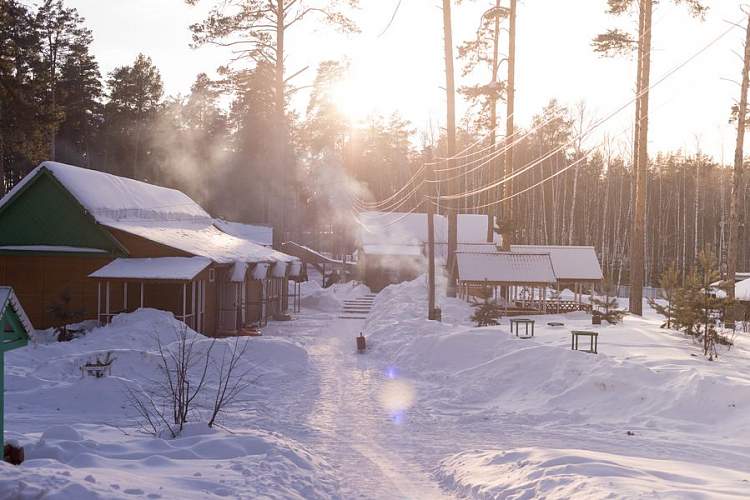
point(596, 124)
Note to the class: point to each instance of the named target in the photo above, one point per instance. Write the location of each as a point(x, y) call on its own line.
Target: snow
point(262, 235)
point(202, 239)
point(572, 473)
point(108, 197)
point(158, 268)
point(388, 249)
point(399, 229)
point(51, 248)
point(80, 441)
point(570, 263)
point(239, 270)
point(505, 267)
point(431, 410)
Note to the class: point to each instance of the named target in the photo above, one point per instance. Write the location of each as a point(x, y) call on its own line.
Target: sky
point(402, 69)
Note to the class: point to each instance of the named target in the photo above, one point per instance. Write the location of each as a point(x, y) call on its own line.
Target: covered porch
point(174, 284)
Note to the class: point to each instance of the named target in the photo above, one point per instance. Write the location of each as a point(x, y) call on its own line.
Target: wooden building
point(101, 244)
point(393, 246)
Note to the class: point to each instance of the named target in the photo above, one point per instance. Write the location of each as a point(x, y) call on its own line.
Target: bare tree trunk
point(492, 210)
point(509, 127)
point(739, 157)
point(637, 242)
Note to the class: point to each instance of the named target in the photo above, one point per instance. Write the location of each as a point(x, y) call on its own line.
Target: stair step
point(352, 317)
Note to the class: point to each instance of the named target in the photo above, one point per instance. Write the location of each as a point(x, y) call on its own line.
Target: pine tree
point(487, 312)
point(669, 283)
point(606, 304)
point(698, 309)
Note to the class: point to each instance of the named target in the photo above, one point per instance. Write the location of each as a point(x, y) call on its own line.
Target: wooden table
point(514, 322)
point(593, 338)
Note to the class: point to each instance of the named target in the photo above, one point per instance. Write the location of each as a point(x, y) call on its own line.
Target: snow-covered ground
point(431, 410)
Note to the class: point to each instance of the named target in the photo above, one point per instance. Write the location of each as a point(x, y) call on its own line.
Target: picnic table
point(515, 322)
point(593, 338)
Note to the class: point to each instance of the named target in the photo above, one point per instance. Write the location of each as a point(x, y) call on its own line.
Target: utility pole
point(509, 128)
point(430, 176)
point(641, 160)
point(450, 89)
point(739, 158)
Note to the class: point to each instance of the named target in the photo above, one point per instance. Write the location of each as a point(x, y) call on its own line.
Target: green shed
point(15, 328)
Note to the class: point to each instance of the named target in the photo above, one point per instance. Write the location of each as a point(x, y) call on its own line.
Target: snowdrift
point(72, 463)
point(81, 438)
point(489, 371)
point(332, 298)
point(561, 474)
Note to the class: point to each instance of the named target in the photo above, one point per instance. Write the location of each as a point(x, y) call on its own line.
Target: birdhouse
point(14, 333)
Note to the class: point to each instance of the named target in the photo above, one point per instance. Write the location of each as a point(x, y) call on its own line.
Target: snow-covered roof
point(571, 263)
point(477, 247)
point(8, 299)
point(505, 267)
point(406, 250)
point(163, 215)
point(159, 268)
point(262, 235)
point(399, 228)
point(202, 239)
point(108, 197)
point(50, 248)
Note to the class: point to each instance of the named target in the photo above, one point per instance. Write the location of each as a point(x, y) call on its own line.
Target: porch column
point(184, 301)
point(106, 285)
point(99, 302)
point(192, 297)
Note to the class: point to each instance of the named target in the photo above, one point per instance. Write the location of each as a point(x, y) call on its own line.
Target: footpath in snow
point(432, 410)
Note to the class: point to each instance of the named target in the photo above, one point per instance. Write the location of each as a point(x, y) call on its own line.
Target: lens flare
point(397, 396)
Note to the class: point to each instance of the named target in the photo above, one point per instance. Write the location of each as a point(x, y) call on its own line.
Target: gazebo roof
point(505, 268)
point(570, 263)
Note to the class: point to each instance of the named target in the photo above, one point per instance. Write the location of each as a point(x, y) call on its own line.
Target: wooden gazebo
point(526, 277)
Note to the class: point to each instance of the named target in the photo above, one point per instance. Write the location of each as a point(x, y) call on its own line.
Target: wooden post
point(429, 176)
point(192, 309)
point(141, 294)
point(125, 296)
point(99, 302)
point(106, 285)
point(184, 300)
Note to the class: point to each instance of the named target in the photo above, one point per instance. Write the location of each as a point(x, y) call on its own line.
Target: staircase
point(357, 308)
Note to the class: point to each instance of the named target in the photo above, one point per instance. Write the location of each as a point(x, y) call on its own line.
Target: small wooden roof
point(15, 326)
point(159, 268)
point(505, 268)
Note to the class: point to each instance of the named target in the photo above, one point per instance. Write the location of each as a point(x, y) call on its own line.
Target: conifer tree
point(487, 312)
point(606, 304)
point(669, 283)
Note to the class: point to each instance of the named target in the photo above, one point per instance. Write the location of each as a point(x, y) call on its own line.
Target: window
point(211, 275)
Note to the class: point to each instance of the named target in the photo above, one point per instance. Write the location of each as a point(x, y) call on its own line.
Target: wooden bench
point(514, 322)
point(593, 338)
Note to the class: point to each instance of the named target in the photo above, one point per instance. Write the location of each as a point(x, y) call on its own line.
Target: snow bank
point(552, 473)
point(70, 463)
point(48, 400)
point(332, 298)
point(46, 377)
point(487, 371)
